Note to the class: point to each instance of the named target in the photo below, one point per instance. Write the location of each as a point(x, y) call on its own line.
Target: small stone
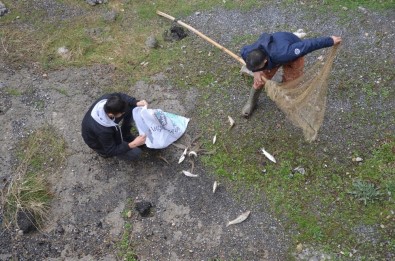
point(129, 214)
point(144, 208)
point(197, 13)
point(299, 248)
point(362, 9)
point(64, 52)
point(59, 229)
point(110, 16)
point(151, 42)
point(357, 159)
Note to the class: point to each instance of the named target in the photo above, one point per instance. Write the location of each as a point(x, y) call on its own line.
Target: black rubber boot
point(251, 103)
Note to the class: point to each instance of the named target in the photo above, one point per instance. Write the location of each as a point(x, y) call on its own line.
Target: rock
point(362, 9)
point(151, 42)
point(26, 222)
point(64, 52)
point(300, 33)
point(110, 16)
point(299, 248)
point(3, 9)
point(357, 159)
point(176, 33)
point(95, 2)
point(299, 170)
point(144, 208)
point(59, 229)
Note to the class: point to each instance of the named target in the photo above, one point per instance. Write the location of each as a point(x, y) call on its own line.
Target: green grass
point(13, 92)
point(125, 249)
point(317, 204)
point(39, 155)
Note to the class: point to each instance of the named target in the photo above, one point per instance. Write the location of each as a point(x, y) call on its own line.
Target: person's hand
point(336, 39)
point(258, 81)
point(138, 141)
point(142, 103)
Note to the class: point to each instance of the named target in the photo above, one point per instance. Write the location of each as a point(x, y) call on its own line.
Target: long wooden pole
point(238, 58)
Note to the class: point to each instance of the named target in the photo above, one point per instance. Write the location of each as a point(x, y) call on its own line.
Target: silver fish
point(268, 155)
point(183, 156)
point(214, 138)
point(192, 153)
point(239, 219)
point(189, 174)
point(215, 186)
point(231, 121)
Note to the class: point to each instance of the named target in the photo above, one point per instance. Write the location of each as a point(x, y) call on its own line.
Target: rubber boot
point(251, 103)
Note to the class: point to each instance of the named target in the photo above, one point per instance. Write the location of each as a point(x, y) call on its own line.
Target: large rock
point(3, 9)
point(26, 222)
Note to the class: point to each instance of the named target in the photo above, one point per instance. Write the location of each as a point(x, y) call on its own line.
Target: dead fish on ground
point(189, 174)
point(268, 155)
point(183, 156)
point(239, 219)
point(214, 138)
point(192, 153)
point(231, 121)
point(215, 186)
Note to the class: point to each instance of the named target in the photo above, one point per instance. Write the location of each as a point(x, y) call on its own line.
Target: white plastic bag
point(162, 128)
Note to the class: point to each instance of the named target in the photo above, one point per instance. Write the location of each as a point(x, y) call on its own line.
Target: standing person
point(271, 51)
point(101, 130)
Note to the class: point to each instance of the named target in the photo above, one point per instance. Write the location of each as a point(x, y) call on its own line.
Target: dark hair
point(255, 59)
point(115, 104)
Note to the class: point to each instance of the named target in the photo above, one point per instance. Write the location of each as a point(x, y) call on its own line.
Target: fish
point(192, 153)
point(231, 121)
point(214, 138)
point(215, 186)
point(239, 219)
point(189, 174)
point(181, 159)
point(268, 155)
point(183, 156)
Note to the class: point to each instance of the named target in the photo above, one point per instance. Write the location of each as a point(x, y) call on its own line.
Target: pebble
point(151, 42)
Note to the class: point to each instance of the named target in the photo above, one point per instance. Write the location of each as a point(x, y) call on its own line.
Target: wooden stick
point(238, 58)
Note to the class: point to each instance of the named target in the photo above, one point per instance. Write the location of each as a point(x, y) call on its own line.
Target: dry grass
point(28, 191)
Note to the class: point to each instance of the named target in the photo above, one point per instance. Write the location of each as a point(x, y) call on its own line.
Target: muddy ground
point(188, 221)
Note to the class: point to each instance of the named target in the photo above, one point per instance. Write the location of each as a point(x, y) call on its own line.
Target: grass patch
point(28, 190)
point(125, 245)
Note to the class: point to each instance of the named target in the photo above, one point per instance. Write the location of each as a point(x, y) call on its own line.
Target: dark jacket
point(107, 141)
point(283, 47)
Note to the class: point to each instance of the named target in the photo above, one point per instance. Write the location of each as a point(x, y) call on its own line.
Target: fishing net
point(304, 100)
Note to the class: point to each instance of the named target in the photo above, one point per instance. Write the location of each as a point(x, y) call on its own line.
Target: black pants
point(131, 155)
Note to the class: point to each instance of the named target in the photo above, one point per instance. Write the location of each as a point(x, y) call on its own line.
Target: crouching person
point(101, 129)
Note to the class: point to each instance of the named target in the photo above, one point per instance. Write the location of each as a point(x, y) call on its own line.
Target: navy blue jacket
point(107, 141)
point(283, 47)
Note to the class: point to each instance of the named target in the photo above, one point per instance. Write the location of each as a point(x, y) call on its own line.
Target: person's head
point(256, 60)
point(115, 106)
